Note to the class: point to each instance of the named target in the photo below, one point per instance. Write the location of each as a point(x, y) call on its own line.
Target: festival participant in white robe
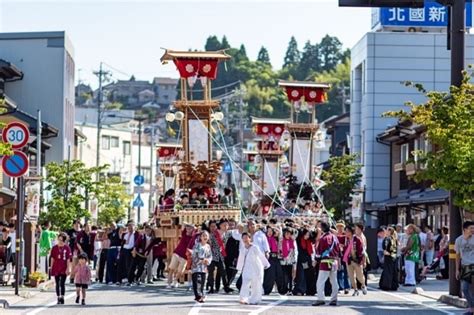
point(251, 263)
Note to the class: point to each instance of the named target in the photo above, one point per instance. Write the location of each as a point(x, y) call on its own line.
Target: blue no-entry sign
point(138, 202)
point(15, 165)
point(139, 180)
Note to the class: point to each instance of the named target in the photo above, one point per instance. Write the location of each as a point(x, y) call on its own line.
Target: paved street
point(158, 300)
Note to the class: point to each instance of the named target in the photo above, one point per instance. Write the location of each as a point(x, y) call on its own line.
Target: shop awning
point(418, 197)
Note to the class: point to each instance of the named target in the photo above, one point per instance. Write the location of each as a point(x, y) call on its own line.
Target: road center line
point(412, 301)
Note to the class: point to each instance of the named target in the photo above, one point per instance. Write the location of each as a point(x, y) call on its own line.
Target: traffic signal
point(383, 3)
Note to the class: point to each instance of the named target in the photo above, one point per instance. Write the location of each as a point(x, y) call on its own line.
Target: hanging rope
point(235, 163)
point(233, 175)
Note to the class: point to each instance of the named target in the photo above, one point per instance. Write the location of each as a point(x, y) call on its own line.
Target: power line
point(118, 70)
point(215, 88)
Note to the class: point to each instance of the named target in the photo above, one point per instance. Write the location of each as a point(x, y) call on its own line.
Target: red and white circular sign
point(17, 134)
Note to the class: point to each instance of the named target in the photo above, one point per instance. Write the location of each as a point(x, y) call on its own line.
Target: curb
point(27, 293)
point(453, 300)
point(46, 285)
point(4, 304)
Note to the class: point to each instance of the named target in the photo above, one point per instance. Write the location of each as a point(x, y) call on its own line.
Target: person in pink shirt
point(82, 278)
point(61, 255)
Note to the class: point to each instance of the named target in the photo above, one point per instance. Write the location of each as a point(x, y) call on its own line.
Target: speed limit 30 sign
point(16, 134)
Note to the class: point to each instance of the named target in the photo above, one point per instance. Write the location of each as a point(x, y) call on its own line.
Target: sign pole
point(457, 66)
point(19, 232)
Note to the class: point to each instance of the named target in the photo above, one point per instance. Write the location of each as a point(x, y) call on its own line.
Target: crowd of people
point(8, 250)
point(197, 198)
point(291, 256)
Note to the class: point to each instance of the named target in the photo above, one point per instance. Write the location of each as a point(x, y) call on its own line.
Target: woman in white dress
point(251, 263)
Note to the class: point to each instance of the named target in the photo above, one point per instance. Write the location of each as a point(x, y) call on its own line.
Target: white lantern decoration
point(175, 168)
point(218, 116)
point(304, 107)
point(203, 81)
point(192, 80)
point(218, 155)
point(170, 117)
point(297, 106)
point(179, 115)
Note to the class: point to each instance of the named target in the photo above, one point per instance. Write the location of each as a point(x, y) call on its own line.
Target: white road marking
point(282, 299)
point(45, 307)
point(412, 301)
point(208, 307)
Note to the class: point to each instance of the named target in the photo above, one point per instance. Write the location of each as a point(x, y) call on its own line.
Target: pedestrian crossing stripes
point(230, 304)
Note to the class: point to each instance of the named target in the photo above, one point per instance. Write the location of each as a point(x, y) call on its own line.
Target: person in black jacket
point(232, 250)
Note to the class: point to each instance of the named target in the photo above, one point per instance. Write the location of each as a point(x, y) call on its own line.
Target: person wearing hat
point(342, 275)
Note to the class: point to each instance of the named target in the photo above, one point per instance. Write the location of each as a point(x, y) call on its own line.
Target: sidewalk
point(7, 293)
point(432, 288)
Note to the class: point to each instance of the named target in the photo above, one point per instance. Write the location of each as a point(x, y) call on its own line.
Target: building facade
point(119, 150)
point(381, 62)
point(47, 60)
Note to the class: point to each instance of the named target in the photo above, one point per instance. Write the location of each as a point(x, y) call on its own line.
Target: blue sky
point(128, 35)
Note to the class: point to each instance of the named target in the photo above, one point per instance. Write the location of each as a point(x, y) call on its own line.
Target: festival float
point(300, 137)
point(269, 160)
point(285, 148)
point(199, 166)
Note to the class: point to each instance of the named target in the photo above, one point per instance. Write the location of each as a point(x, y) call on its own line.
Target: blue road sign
point(227, 167)
point(138, 202)
point(15, 165)
point(432, 15)
point(139, 180)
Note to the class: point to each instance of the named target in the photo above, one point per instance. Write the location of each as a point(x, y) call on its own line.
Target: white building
point(381, 62)
point(119, 149)
point(47, 61)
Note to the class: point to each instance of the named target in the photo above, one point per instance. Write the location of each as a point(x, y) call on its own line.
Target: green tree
point(293, 55)
point(241, 55)
point(342, 177)
point(339, 79)
point(264, 56)
point(113, 200)
point(310, 61)
point(5, 148)
point(330, 52)
point(69, 184)
point(225, 43)
point(212, 43)
point(448, 118)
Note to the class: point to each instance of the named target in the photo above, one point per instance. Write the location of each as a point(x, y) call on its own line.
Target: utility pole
point(39, 128)
point(102, 75)
point(152, 152)
point(139, 158)
point(457, 66)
